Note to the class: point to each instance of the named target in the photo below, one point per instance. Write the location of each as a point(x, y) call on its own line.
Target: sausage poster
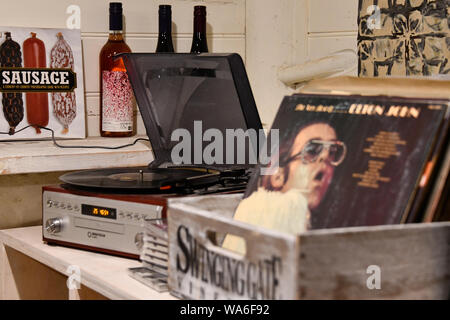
point(53, 58)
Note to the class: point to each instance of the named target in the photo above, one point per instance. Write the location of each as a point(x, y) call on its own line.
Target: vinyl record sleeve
point(155, 243)
point(438, 204)
point(157, 228)
point(154, 260)
point(155, 253)
point(150, 278)
point(379, 146)
point(434, 176)
point(155, 268)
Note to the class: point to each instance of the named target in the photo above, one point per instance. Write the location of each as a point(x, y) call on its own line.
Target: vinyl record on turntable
point(143, 178)
point(103, 210)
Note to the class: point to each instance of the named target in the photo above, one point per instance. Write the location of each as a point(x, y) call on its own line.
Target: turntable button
point(76, 208)
point(121, 215)
point(49, 203)
point(137, 217)
point(62, 206)
point(129, 215)
point(69, 207)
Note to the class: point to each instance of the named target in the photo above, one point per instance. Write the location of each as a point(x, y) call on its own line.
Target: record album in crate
point(345, 161)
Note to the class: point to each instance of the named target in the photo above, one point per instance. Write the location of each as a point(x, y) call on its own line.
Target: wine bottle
point(116, 94)
point(165, 43)
point(199, 42)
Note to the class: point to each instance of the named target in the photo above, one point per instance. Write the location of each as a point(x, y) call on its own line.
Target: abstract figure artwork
point(403, 37)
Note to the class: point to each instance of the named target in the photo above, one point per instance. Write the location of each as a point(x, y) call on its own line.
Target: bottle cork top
point(165, 9)
point(200, 10)
point(115, 8)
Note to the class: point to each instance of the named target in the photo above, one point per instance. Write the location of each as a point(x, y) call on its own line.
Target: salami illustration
point(11, 56)
point(37, 102)
point(64, 103)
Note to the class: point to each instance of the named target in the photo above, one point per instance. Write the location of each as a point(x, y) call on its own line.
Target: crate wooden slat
point(414, 262)
point(411, 260)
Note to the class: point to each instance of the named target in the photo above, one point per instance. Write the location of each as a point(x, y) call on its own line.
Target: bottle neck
point(165, 24)
point(200, 24)
point(199, 42)
point(115, 35)
point(165, 43)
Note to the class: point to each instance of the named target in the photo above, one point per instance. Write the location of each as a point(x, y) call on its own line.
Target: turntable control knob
point(53, 226)
point(139, 240)
point(49, 203)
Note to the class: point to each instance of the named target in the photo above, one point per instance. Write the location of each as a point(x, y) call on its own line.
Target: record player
point(103, 210)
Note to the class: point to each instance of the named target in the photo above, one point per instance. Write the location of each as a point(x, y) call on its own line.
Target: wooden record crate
point(409, 261)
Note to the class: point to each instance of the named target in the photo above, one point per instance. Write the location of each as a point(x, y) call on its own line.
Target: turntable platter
point(135, 179)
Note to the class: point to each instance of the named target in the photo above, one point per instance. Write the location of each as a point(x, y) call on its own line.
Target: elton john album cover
point(343, 161)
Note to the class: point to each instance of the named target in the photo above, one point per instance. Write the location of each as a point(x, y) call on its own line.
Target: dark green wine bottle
point(199, 42)
point(165, 43)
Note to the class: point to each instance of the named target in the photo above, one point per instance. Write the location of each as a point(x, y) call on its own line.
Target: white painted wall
point(268, 34)
point(271, 42)
point(21, 194)
point(289, 32)
point(332, 26)
point(225, 18)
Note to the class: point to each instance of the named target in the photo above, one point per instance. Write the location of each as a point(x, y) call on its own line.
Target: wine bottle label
point(117, 109)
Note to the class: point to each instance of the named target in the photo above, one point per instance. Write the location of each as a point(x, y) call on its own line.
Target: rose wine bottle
point(199, 43)
point(116, 94)
point(165, 43)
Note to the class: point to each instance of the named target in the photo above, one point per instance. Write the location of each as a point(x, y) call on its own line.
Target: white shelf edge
point(28, 241)
point(43, 156)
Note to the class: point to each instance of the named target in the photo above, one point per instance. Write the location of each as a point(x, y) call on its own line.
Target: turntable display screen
point(96, 211)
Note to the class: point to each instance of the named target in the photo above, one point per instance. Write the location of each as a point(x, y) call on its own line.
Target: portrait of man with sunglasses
point(284, 200)
point(336, 168)
point(308, 164)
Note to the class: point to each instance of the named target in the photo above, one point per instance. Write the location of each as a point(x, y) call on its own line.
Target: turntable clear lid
point(195, 93)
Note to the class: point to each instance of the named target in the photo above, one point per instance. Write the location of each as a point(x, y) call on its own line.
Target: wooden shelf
point(31, 269)
point(43, 156)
